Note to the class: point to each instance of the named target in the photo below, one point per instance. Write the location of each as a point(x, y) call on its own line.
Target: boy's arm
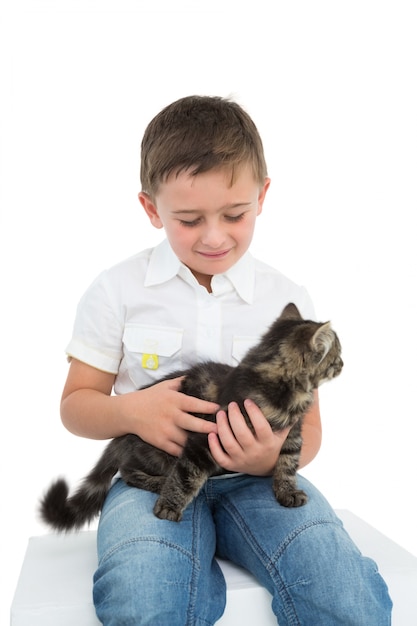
point(311, 433)
point(159, 414)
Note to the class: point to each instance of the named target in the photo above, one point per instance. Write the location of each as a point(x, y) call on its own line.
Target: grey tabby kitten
point(279, 374)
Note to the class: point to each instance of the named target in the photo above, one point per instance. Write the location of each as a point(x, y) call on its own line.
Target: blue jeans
point(157, 572)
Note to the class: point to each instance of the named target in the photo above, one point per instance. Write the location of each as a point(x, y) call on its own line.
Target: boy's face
point(208, 223)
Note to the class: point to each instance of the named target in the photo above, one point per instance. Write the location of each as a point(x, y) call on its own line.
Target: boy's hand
point(242, 450)
point(165, 415)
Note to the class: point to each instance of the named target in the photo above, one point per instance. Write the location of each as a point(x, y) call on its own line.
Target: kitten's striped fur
point(279, 374)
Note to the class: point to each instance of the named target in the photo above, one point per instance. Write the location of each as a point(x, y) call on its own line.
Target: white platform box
point(55, 583)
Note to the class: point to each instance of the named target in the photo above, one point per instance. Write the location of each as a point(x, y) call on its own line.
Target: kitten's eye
point(318, 357)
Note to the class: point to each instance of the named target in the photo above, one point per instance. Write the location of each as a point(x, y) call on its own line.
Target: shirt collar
point(164, 265)
point(241, 276)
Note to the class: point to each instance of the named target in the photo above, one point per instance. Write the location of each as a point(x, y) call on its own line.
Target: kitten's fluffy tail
point(65, 513)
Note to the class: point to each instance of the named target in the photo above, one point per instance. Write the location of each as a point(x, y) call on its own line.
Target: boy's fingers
point(195, 405)
point(192, 403)
point(257, 418)
point(217, 450)
point(199, 425)
point(234, 427)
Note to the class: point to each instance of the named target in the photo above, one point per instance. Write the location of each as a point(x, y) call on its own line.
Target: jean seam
point(265, 560)
point(192, 618)
point(270, 563)
point(194, 575)
point(169, 544)
point(298, 531)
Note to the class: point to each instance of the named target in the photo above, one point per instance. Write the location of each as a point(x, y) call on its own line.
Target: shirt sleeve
point(98, 329)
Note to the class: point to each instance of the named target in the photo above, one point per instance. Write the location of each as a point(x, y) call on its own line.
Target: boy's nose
point(212, 237)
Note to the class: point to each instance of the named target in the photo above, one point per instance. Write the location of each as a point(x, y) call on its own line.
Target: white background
point(332, 88)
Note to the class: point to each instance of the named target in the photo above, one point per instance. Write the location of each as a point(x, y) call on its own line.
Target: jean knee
point(149, 581)
point(131, 581)
point(322, 578)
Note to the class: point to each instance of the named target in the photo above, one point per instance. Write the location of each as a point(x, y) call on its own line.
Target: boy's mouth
point(219, 254)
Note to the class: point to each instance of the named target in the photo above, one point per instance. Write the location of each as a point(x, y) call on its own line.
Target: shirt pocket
point(241, 345)
point(151, 352)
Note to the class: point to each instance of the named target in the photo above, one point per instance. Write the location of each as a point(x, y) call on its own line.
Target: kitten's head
point(304, 347)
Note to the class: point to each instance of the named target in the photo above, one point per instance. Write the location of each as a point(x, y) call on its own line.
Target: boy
point(201, 295)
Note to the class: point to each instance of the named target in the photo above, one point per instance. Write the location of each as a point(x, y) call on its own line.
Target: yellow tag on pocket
point(150, 361)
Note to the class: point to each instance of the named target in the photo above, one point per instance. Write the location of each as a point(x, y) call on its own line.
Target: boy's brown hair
point(200, 133)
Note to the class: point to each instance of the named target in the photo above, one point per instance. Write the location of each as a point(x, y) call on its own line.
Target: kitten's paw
point(164, 510)
point(292, 499)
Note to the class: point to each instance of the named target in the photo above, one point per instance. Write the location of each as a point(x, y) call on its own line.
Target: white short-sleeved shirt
point(148, 315)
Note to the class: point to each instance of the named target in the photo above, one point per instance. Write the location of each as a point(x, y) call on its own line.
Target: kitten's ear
point(290, 312)
point(322, 340)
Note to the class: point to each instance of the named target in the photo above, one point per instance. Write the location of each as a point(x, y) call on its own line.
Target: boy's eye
point(234, 218)
point(197, 221)
point(190, 223)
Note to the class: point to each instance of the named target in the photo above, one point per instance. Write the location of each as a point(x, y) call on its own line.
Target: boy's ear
point(262, 194)
point(151, 210)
